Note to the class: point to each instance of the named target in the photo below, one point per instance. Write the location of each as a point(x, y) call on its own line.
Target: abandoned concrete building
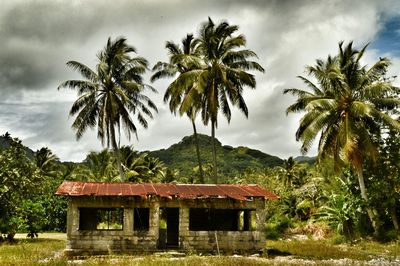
point(129, 218)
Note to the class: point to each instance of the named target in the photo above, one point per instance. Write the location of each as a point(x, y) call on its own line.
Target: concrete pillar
point(184, 227)
point(154, 222)
point(72, 219)
point(72, 223)
point(128, 221)
point(259, 235)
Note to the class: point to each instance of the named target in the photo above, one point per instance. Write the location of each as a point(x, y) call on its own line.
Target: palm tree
point(110, 94)
point(182, 59)
point(347, 108)
point(101, 166)
point(44, 159)
point(220, 78)
point(145, 168)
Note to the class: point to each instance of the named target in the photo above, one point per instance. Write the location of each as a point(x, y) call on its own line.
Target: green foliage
point(55, 216)
point(101, 166)
point(182, 60)
point(20, 182)
point(32, 215)
point(111, 95)
point(342, 212)
point(231, 161)
point(347, 109)
point(6, 141)
point(276, 226)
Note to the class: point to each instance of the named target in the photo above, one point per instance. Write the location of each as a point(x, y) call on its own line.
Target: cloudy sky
point(37, 38)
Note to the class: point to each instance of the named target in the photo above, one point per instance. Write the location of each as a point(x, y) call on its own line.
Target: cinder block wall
point(80, 242)
point(224, 241)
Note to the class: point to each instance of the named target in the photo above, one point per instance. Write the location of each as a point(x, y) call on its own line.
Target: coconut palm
point(145, 168)
point(111, 95)
point(45, 159)
point(101, 166)
point(221, 77)
point(345, 109)
point(182, 59)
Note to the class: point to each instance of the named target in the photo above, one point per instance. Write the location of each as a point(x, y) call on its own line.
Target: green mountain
point(306, 159)
point(182, 156)
point(6, 140)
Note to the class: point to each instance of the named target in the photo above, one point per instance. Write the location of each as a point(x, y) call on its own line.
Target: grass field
point(47, 250)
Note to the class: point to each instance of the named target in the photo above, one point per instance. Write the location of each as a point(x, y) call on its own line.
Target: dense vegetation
point(231, 161)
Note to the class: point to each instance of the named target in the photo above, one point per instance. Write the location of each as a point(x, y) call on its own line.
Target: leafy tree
point(20, 181)
point(346, 107)
point(110, 94)
point(182, 60)
point(32, 214)
point(384, 192)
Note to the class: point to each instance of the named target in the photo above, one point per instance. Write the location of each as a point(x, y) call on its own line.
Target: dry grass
point(319, 249)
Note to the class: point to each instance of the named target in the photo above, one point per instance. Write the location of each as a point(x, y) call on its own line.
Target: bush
point(275, 228)
point(32, 215)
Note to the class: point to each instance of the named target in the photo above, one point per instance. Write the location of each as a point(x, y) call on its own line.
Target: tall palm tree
point(182, 59)
point(347, 108)
point(110, 94)
point(221, 77)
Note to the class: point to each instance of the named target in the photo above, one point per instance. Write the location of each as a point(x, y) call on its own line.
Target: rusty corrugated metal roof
point(183, 191)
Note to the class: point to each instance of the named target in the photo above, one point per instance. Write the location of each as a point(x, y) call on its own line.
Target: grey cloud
point(50, 22)
point(38, 37)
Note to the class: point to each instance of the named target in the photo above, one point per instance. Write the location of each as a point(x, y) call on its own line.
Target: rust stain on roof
point(183, 191)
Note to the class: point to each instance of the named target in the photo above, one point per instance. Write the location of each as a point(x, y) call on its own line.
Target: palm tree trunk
point(117, 154)
point(395, 221)
point(372, 217)
point(214, 152)
point(198, 152)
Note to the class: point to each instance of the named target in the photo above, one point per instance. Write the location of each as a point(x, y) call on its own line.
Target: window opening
point(141, 219)
point(101, 218)
point(209, 219)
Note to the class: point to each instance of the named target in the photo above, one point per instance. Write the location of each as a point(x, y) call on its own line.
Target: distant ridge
point(6, 140)
point(306, 159)
point(231, 160)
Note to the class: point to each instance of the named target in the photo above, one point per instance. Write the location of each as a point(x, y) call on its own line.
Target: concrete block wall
point(128, 241)
point(111, 241)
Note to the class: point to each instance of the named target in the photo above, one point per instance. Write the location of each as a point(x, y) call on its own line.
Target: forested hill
point(182, 156)
point(6, 141)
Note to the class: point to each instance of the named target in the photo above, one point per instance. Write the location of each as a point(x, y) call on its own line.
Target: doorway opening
point(169, 228)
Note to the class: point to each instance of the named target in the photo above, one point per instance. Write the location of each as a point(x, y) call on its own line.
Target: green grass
point(313, 249)
point(29, 251)
point(48, 248)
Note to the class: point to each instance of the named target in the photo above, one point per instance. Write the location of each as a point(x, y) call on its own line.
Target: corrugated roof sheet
point(183, 191)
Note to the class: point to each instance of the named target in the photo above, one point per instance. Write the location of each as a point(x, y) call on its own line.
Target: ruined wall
point(111, 241)
point(224, 241)
point(128, 241)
